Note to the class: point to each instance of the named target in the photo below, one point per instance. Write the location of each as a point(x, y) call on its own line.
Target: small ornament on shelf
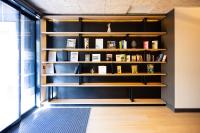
point(92, 70)
point(146, 44)
point(155, 44)
point(109, 27)
point(86, 43)
point(150, 68)
point(133, 44)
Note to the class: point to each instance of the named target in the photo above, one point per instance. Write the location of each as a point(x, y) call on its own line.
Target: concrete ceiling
point(109, 6)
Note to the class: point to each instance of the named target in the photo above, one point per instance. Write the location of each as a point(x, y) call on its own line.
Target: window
point(9, 68)
point(17, 68)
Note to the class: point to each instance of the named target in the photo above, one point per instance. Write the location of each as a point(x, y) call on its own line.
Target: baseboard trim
point(17, 122)
point(187, 110)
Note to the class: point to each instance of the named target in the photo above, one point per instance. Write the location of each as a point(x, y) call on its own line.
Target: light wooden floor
point(141, 120)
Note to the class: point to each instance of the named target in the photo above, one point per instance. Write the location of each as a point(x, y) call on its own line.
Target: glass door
point(27, 63)
point(9, 66)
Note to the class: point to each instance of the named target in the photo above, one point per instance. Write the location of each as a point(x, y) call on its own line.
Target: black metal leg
point(51, 92)
point(131, 94)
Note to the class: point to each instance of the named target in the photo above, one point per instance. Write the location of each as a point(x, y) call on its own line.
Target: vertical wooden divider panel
point(43, 58)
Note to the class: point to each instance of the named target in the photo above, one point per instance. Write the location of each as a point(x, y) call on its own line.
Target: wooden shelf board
point(100, 50)
point(104, 84)
point(108, 74)
point(93, 18)
point(101, 62)
point(105, 101)
point(94, 34)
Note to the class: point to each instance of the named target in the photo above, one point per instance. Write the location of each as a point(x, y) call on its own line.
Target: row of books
point(109, 57)
point(103, 69)
point(71, 43)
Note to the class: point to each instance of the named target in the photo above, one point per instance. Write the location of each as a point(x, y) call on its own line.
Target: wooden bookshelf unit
point(137, 76)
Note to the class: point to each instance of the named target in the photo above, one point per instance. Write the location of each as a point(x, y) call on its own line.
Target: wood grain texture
point(108, 74)
point(104, 101)
point(141, 120)
point(106, 84)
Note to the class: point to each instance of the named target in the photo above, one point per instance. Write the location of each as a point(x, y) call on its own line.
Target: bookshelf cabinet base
point(106, 102)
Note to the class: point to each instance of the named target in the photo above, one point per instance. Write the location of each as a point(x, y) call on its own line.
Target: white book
point(50, 68)
point(118, 57)
point(52, 56)
point(102, 69)
point(74, 56)
point(96, 57)
point(99, 43)
point(71, 43)
point(164, 58)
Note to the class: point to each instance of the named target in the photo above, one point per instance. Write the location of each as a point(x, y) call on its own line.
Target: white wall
point(187, 57)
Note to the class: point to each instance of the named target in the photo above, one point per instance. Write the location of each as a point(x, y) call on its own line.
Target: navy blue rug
point(55, 120)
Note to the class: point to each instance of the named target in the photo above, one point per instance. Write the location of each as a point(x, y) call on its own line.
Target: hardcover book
point(74, 56)
point(52, 56)
point(111, 44)
point(102, 69)
point(123, 57)
point(49, 68)
point(134, 69)
point(128, 58)
point(87, 57)
point(159, 58)
point(99, 43)
point(108, 57)
point(134, 58)
point(71, 43)
point(118, 57)
point(164, 58)
point(119, 70)
point(96, 57)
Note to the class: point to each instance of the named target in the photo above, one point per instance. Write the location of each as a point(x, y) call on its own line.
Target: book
point(123, 57)
point(146, 44)
point(123, 44)
point(76, 69)
point(87, 57)
point(134, 58)
point(102, 69)
point(139, 57)
point(108, 57)
point(155, 44)
point(52, 56)
point(128, 58)
point(164, 58)
point(111, 44)
point(99, 43)
point(148, 57)
point(118, 57)
point(86, 43)
point(96, 57)
point(74, 56)
point(150, 68)
point(119, 70)
point(159, 57)
point(134, 69)
point(49, 68)
point(71, 43)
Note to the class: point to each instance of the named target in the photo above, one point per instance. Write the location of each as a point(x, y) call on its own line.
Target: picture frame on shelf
point(108, 57)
